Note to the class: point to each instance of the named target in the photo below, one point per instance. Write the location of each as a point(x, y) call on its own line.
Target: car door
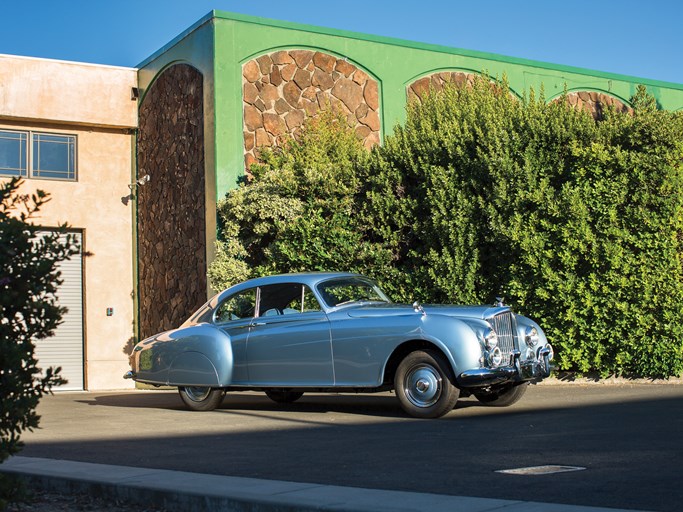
point(289, 342)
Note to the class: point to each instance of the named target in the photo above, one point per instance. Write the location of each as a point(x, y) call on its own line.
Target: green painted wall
point(221, 42)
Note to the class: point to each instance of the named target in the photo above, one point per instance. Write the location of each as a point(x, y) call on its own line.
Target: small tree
point(28, 311)
point(299, 209)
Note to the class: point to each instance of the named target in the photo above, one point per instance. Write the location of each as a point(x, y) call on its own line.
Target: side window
point(303, 303)
point(310, 303)
point(286, 299)
point(238, 306)
point(38, 155)
point(13, 154)
point(54, 156)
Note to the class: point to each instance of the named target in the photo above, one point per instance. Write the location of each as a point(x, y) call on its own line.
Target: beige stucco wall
point(94, 103)
point(70, 92)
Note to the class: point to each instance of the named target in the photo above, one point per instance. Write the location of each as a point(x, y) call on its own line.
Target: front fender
point(456, 338)
point(530, 352)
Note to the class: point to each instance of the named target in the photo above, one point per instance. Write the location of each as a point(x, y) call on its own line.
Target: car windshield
point(337, 292)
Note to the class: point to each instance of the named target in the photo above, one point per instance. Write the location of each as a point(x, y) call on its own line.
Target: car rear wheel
point(502, 397)
point(283, 396)
point(201, 398)
point(424, 386)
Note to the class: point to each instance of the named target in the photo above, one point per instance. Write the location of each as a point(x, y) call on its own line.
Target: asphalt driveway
point(628, 437)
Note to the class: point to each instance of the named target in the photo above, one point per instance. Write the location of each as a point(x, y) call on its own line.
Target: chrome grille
point(505, 326)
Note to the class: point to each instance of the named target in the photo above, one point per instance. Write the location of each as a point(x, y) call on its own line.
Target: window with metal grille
point(49, 156)
point(13, 153)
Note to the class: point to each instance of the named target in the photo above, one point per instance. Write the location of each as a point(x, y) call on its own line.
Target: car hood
point(384, 310)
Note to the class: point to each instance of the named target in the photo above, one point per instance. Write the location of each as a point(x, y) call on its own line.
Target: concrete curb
point(194, 492)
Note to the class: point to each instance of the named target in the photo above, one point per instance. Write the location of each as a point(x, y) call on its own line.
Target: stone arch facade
point(436, 82)
point(280, 89)
point(171, 206)
point(596, 103)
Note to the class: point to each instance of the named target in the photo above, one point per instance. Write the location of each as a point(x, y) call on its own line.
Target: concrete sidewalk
point(195, 492)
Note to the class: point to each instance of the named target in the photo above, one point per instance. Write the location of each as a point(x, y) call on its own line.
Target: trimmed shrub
point(577, 223)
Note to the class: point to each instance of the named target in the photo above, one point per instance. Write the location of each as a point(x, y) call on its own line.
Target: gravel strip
point(55, 502)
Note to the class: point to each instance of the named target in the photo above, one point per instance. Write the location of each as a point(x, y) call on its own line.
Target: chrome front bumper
point(516, 371)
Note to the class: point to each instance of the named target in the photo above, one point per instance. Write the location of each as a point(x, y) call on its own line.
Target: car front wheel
point(502, 397)
point(424, 386)
point(201, 398)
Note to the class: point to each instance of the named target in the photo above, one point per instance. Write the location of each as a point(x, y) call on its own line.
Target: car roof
point(308, 278)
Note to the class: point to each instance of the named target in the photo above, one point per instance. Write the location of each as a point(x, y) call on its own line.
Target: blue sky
point(639, 38)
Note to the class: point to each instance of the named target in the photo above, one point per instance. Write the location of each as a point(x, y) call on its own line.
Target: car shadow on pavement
point(379, 405)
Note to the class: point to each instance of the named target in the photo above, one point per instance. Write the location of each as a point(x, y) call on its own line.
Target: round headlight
point(531, 336)
point(496, 357)
point(490, 338)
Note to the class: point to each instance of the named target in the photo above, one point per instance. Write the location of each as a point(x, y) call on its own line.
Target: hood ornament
point(499, 302)
point(418, 308)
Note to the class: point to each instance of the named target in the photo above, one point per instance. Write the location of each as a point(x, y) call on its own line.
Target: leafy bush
point(28, 311)
point(578, 223)
point(613, 279)
point(299, 208)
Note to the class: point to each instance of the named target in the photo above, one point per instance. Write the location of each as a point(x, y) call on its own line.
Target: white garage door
point(65, 348)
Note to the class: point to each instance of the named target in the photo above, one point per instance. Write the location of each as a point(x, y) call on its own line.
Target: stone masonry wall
point(280, 89)
point(436, 81)
point(596, 103)
point(171, 206)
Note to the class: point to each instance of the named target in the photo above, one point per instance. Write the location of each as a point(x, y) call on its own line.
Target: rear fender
point(192, 369)
point(199, 355)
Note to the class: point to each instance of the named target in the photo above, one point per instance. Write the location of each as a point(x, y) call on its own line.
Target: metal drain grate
point(540, 470)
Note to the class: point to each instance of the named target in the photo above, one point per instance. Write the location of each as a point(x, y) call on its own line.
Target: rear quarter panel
point(199, 355)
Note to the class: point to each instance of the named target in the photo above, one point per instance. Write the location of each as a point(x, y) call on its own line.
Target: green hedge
point(577, 223)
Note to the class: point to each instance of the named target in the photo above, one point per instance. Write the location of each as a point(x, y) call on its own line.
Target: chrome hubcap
point(423, 386)
point(197, 394)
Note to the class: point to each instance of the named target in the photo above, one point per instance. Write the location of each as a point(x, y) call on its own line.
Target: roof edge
point(68, 62)
point(245, 18)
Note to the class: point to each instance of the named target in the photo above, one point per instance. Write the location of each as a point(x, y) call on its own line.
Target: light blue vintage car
point(335, 332)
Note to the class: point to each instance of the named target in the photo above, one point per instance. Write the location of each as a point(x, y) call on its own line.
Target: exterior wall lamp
point(139, 182)
point(132, 186)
